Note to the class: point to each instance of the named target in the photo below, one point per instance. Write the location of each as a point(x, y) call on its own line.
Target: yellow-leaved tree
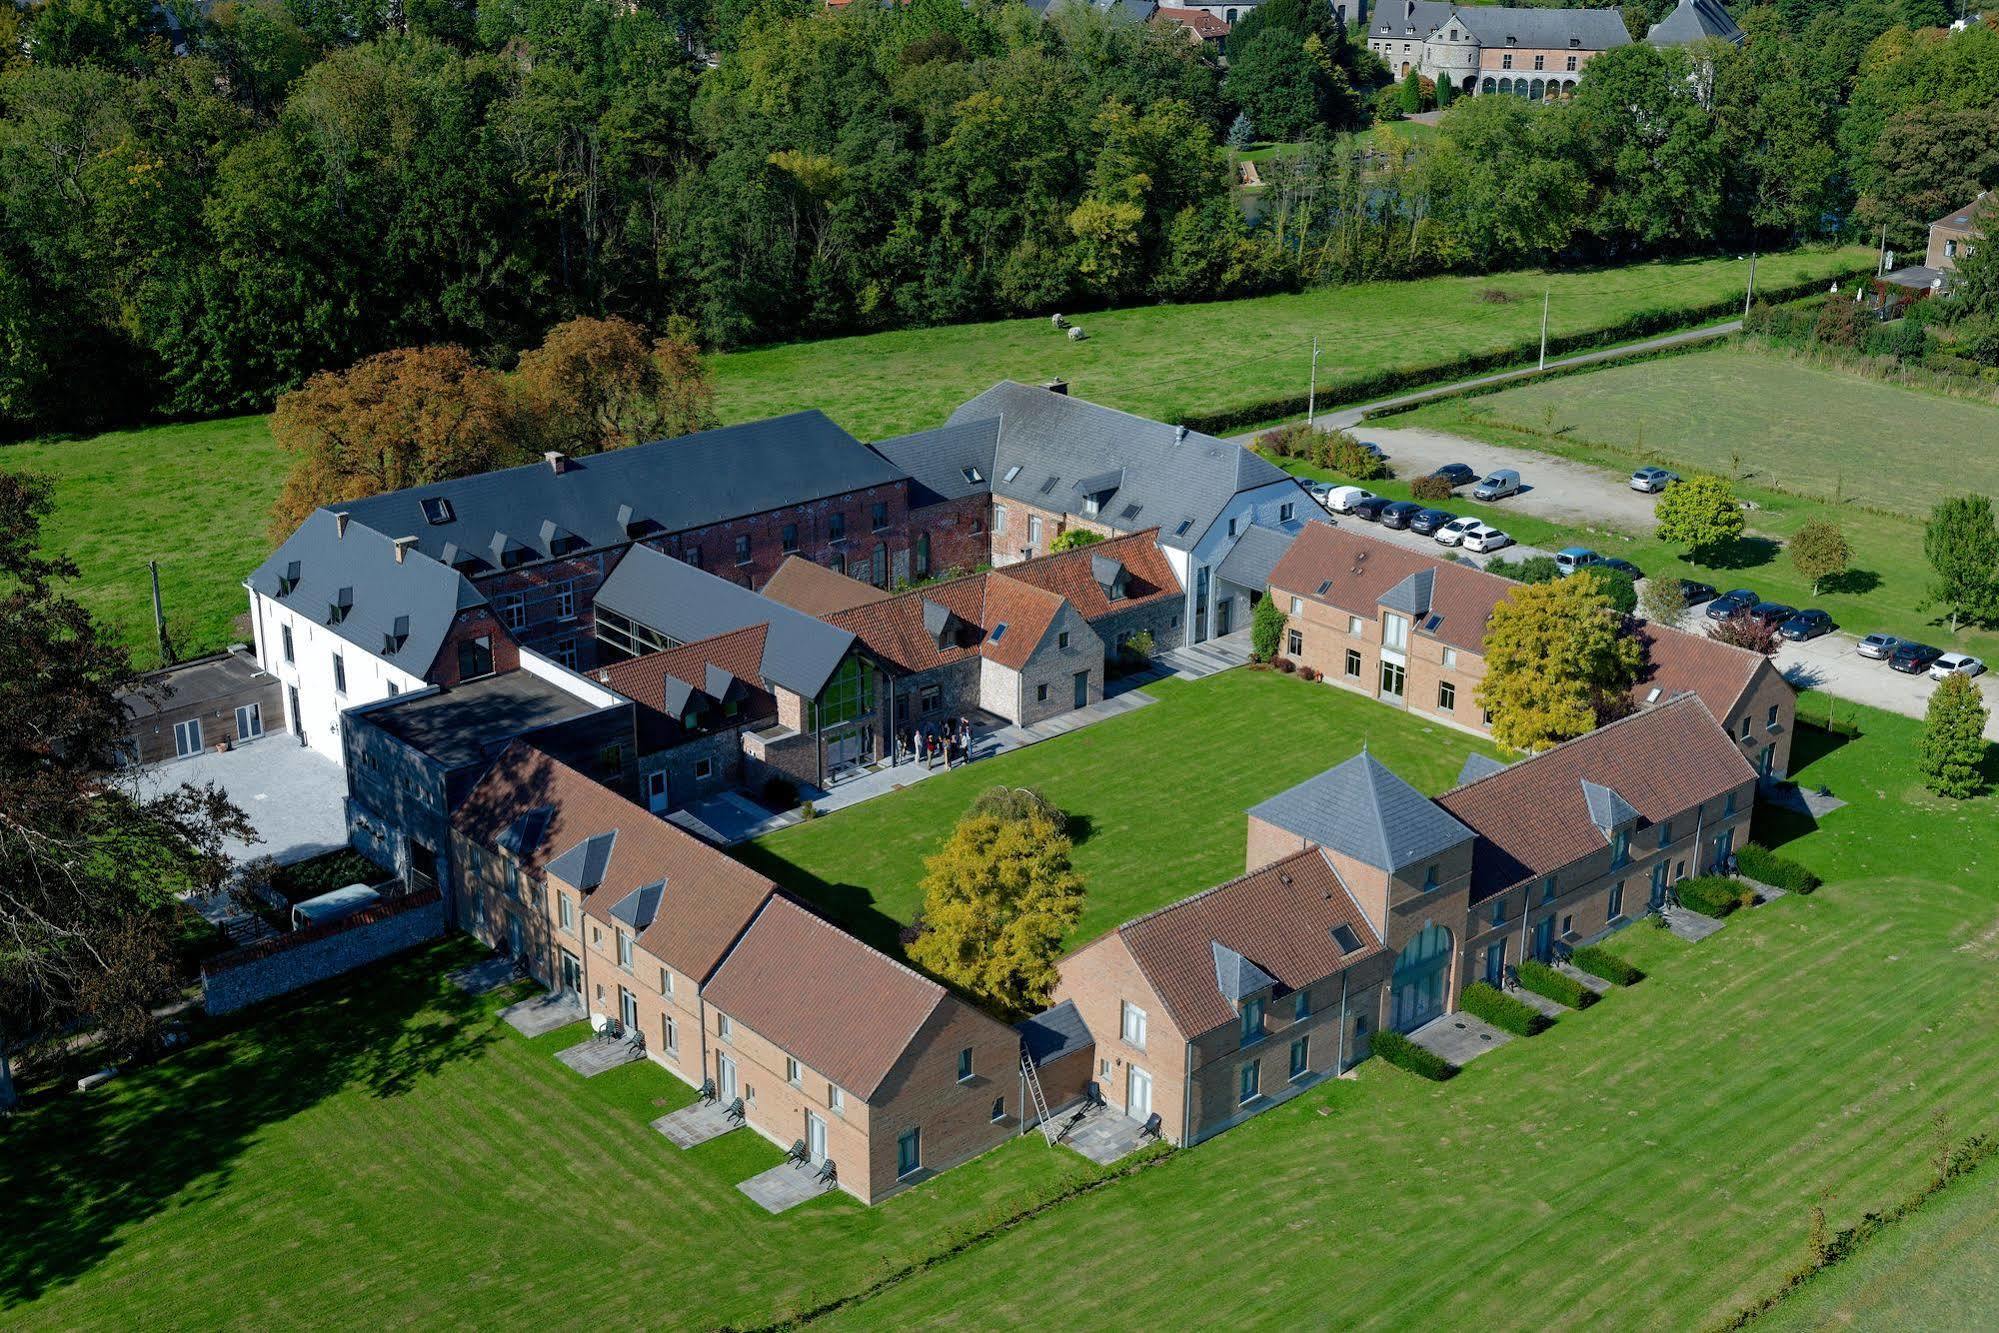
point(1557, 662)
point(999, 898)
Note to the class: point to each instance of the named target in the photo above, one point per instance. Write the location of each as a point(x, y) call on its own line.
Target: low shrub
point(1295, 440)
point(1431, 487)
point(1284, 664)
point(325, 873)
point(1483, 1000)
point(1557, 986)
point(1340, 452)
point(1712, 895)
point(1601, 962)
point(1403, 1053)
point(1308, 673)
point(1760, 863)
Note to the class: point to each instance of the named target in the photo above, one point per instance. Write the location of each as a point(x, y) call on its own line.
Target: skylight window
point(1131, 511)
point(973, 475)
point(1344, 937)
point(437, 509)
point(999, 631)
point(1323, 586)
point(1012, 472)
point(1185, 524)
point(1050, 484)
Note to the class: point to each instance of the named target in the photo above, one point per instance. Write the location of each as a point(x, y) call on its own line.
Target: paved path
point(1459, 1038)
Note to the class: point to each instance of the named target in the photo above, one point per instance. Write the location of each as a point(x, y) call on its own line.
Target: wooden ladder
point(1040, 1100)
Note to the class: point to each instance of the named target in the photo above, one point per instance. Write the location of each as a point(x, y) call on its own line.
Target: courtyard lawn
point(1156, 798)
point(387, 1153)
point(1647, 1163)
point(196, 497)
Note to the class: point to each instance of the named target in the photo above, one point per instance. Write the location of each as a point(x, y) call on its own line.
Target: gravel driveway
point(1559, 490)
point(1831, 664)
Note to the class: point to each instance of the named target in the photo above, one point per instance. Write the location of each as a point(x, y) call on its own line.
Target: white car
point(1342, 499)
point(1319, 490)
point(1483, 538)
point(1452, 533)
point(1955, 664)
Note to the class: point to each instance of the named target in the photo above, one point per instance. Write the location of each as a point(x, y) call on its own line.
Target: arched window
point(1535, 94)
point(1422, 973)
point(1487, 85)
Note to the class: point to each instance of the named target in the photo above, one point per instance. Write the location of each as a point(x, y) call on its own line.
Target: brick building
point(1537, 54)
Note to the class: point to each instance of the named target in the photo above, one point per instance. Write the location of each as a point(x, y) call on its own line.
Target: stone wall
point(275, 967)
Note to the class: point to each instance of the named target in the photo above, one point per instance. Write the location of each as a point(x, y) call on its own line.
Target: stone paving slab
point(1101, 1134)
point(482, 977)
point(1459, 1038)
point(1691, 926)
point(542, 1014)
point(600, 1054)
point(1538, 1002)
point(696, 1124)
point(785, 1185)
point(1582, 978)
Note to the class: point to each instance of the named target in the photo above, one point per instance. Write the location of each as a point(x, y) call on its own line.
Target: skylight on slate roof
point(1185, 524)
point(1050, 484)
point(1011, 473)
point(437, 510)
point(973, 475)
point(1130, 512)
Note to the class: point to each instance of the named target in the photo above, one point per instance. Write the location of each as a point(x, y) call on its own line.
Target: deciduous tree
point(1961, 542)
point(1951, 756)
point(597, 384)
point(1820, 552)
point(1699, 513)
point(1556, 659)
point(998, 900)
point(1075, 538)
point(1663, 602)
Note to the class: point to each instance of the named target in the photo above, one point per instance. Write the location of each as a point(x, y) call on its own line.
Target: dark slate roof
point(665, 486)
point(937, 460)
point(462, 725)
point(417, 596)
point(1106, 570)
point(1255, 554)
point(1235, 976)
point(1361, 809)
point(1478, 766)
point(1054, 1033)
point(204, 680)
point(1171, 477)
point(1692, 20)
point(638, 908)
point(687, 604)
point(583, 866)
point(1413, 595)
point(1140, 10)
point(1493, 25)
point(1607, 810)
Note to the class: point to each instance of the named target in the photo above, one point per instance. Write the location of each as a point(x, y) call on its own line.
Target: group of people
point(948, 742)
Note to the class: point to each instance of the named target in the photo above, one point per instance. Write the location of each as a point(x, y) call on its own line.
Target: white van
point(1342, 499)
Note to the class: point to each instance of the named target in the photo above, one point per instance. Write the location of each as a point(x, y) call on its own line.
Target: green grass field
point(385, 1152)
point(1810, 430)
point(1156, 798)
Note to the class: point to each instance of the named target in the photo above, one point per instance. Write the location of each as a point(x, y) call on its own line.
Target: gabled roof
point(840, 1008)
point(1607, 810)
point(1678, 662)
point(1412, 596)
point(1170, 475)
point(1000, 617)
point(689, 605)
point(707, 898)
point(664, 486)
point(1255, 554)
point(1284, 916)
point(947, 462)
point(414, 597)
point(1971, 215)
point(816, 590)
point(1500, 25)
point(640, 907)
point(1692, 20)
point(1235, 976)
point(1533, 817)
point(1076, 575)
point(1355, 573)
point(1361, 809)
point(582, 866)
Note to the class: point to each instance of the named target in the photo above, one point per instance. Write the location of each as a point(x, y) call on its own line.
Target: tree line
point(202, 206)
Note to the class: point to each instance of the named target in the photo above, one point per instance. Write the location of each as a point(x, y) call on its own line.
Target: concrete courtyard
point(295, 797)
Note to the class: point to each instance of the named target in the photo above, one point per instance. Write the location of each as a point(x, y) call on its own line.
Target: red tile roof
point(1677, 662)
point(837, 1006)
point(894, 630)
point(1356, 571)
point(817, 590)
point(709, 897)
point(1070, 574)
point(740, 652)
point(1280, 918)
point(1210, 26)
point(1532, 817)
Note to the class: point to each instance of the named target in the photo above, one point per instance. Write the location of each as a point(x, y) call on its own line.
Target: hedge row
point(1482, 1000)
point(1760, 863)
point(1557, 986)
point(1601, 962)
point(1383, 383)
point(1400, 1051)
point(1711, 895)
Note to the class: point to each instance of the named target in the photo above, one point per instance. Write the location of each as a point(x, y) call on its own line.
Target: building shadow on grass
point(79, 1169)
point(851, 906)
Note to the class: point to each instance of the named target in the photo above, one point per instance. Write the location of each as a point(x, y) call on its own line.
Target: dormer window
point(288, 580)
point(337, 610)
point(437, 510)
point(973, 476)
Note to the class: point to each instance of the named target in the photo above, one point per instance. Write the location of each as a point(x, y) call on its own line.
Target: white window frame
point(1131, 1026)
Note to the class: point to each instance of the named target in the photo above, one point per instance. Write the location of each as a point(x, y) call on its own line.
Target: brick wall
point(1268, 843)
point(659, 994)
point(1161, 619)
point(1100, 978)
point(776, 1108)
point(958, 534)
point(473, 624)
point(716, 543)
point(1013, 537)
point(1323, 638)
point(259, 972)
point(955, 1119)
point(1767, 690)
point(540, 622)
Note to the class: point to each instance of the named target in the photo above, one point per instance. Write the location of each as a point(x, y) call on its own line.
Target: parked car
point(1342, 499)
point(1572, 558)
point(1913, 659)
point(1456, 473)
point(1956, 664)
point(1319, 490)
point(1696, 592)
point(1497, 485)
point(1400, 514)
point(1431, 521)
point(1772, 613)
point(1454, 531)
point(1806, 625)
point(1370, 508)
point(1652, 480)
point(1726, 605)
point(1880, 647)
point(1483, 538)
point(1374, 448)
point(1622, 566)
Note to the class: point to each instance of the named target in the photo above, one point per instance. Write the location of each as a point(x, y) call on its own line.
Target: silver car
point(1497, 485)
point(1956, 664)
point(1652, 480)
point(1880, 647)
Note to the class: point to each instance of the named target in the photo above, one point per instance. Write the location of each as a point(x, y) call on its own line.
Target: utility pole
point(159, 618)
point(1881, 263)
point(1544, 329)
point(1312, 392)
point(1751, 294)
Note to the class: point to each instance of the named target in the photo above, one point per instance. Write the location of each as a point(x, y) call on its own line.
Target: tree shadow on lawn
point(1741, 553)
point(79, 1169)
point(1851, 583)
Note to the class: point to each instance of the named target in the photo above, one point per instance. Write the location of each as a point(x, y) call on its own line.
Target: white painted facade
point(1265, 506)
point(312, 701)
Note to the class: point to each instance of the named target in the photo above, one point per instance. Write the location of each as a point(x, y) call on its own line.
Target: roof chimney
point(1179, 434)
point(558, 462)
point(404, 545)
point(1057, 386)
point(340, 523)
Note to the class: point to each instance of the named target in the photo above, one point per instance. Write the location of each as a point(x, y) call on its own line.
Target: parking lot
point(1831, 664)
